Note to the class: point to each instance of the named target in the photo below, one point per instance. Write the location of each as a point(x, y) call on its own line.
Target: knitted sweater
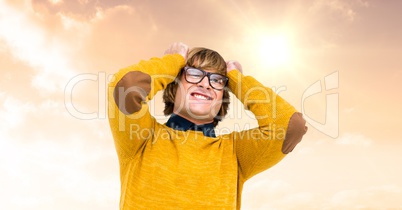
point(163, 168)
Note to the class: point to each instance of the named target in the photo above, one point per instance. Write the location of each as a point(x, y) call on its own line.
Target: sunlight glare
point(274, 51)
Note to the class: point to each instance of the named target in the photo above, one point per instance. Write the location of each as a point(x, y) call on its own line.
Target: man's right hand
point(178, 48)
point(233, 65)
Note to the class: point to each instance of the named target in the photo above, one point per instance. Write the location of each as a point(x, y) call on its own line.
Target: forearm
point(277, 119)
point(131, 86)
point(137, 83)
point(268, 107)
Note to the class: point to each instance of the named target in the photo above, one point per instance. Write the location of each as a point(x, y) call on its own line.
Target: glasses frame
point(208, 74)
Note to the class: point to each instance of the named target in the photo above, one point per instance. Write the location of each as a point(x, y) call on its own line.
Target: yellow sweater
point(163, 168)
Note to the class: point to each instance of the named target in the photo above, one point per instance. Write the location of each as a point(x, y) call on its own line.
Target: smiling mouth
point(201, 96)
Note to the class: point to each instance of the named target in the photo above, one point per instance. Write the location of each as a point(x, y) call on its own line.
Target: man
point(182, 164)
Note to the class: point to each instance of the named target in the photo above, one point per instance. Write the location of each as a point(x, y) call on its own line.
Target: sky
point(337, 61)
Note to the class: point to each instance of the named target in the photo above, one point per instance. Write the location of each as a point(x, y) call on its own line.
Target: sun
point(274, 50)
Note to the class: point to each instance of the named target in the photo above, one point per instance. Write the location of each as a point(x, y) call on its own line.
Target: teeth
point(200, 97)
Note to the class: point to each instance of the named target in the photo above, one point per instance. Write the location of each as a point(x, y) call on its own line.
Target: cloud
point(349, 110)
point(28, 42)
point(278, 194)
point(354, 139)
point(83, 10)
point(54, 2)
point(52, 43)
point(51, 159)
point(13, 111)
point(378, 197)
point(346, 9)
point(266, 193)
point(257, 193)
point(44, 174)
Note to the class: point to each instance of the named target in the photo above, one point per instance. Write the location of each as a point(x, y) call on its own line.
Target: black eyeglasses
point(194, 76)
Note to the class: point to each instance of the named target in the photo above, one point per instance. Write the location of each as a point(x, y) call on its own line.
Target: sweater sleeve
point(280, 126)
point(129, 91)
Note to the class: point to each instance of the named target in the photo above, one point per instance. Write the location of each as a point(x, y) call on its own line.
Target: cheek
point(219, 96)
point(181, 92)
point(184, 85)
point(218, 101)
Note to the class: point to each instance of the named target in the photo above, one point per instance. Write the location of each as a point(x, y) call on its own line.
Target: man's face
point(199, 103)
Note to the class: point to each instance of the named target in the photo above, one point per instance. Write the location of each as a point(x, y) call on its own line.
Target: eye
point(194, 74)
point(217, 80)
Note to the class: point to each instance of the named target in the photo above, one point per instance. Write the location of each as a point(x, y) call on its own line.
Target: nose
point(204, 83)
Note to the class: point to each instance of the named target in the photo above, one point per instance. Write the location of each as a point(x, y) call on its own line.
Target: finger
point(233, 65)
point(179, 48)
point(184, 50)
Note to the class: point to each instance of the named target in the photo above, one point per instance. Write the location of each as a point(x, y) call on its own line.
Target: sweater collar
point(179, 123)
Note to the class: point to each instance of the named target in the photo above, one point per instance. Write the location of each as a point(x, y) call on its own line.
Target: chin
point(201, 115)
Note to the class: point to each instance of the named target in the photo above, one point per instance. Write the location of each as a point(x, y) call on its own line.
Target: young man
point(182, 164)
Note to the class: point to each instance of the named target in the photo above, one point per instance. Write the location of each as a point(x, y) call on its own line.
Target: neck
point(195, 121)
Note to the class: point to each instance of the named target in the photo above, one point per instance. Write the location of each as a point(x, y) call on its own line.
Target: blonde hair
point(201, 58)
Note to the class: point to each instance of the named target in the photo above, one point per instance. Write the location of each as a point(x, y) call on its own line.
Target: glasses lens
point(217, 81)
point(194, 75)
